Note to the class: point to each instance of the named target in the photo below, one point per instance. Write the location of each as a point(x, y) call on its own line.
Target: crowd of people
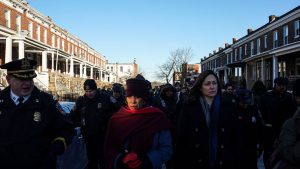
point(203, 126)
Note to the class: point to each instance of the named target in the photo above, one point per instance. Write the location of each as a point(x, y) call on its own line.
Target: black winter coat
point(92, 115)
point(27, 131)
point(192, 144)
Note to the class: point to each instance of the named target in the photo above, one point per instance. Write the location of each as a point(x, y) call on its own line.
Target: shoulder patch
point(59, 108)
point(112, 99)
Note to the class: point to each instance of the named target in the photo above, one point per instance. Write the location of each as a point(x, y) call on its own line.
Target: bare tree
point(165, 71)
point(176, 63)
point(180, 57)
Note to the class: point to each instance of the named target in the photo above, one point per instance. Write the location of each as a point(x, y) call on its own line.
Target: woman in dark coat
point(205, 127)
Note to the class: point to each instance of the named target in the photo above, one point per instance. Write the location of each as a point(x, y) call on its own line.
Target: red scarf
point(136, 127)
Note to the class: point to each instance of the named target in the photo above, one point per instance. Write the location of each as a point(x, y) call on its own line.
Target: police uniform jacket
point(92, 115)
point(28, 131)
point(192, 144)
point(275, 109)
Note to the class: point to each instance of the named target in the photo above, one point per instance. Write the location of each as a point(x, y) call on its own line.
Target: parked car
point(75, 155)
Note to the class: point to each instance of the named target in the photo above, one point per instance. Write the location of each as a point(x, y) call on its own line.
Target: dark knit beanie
point(296, 88)
point(90, 84)
point(281, 81)
point(138, 88)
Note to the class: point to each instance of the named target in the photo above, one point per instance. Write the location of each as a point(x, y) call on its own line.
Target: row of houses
point(272, 50)
point(64, 60)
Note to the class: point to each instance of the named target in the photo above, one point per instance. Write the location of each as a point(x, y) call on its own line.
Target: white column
point(8, 50)
point(275, 67)
point(44, 61)
point(80, 70)
point(263, 70)
point(92, 72)
point(67, 70)
point(21, 49)
point(100, 72)
point(225, 76)
point(52, 62)
point(71, 67)
point(84, 71)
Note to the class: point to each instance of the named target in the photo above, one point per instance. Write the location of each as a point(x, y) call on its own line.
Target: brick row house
point(64, 60)
point(271, 51)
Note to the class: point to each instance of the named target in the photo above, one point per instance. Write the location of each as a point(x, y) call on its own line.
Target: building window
point(285, 35)
point(7, 17)
point(296, 25)
point(121, 68)
point(258, 46)
point(240, 53)
point(72, 49)
point(53, 40)
point(231, 57)
point(38, 33)
point(58, 42)
point(45, 36)
point(111, 69)
point(252, 48)
point(238, 71)
point(235, 54)
point(227, 58)
point(18, 23)
point(30, 31)
point(265, 41)
point(282, 69)
point(275, 39)
point(246, 49)
point(107, 67)
point(69, 47)
point(63, 44)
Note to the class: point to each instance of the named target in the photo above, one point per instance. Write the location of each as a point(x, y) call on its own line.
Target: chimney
point(234, 40)
point(220, 48)
point(272, 18)
point(215, 51)
point(226, 45)
point(249, 31)
point(209, 54)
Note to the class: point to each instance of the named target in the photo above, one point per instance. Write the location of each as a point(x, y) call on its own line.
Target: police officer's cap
point(21, 69)
point(281, 81)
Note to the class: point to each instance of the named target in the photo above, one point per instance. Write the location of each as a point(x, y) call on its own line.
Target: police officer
point(92, 112)
point(118, 94)
point(32, 130)
point(275, 106)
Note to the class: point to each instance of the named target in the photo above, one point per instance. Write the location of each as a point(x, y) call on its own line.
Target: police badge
point(99, 105)
point(37, 116)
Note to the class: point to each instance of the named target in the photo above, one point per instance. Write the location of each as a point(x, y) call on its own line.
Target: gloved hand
point(132, 161)
point(50, 162)
point(56, 148)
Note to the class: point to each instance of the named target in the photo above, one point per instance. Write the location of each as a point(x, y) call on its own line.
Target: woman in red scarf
point(138, 136)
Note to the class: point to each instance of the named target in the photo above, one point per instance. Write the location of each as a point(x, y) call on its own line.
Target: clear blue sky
point(149, 30)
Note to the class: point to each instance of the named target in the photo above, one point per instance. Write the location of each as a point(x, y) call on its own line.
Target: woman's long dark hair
point(195, 91)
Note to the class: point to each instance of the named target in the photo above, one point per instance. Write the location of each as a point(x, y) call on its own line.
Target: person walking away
point(32, 130)
point(91, 113)
point(139, 135)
